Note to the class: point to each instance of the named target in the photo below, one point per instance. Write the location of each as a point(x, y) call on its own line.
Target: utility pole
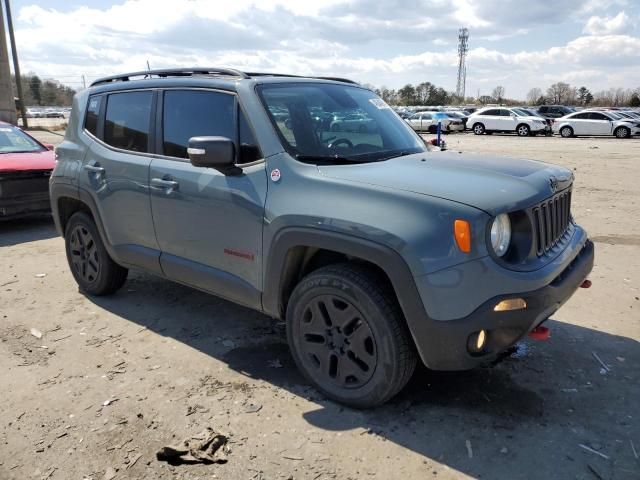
point(16, 65)
point(7, 104)
point(463, 37)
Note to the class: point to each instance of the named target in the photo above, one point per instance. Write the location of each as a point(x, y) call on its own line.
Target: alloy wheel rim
point(522, 131)
point(622, 133)
point(336, 342)
point(84, 254)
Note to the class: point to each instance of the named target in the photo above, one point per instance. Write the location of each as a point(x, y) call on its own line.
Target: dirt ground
point(114, 379)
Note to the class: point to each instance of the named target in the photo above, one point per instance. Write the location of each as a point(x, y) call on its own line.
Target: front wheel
point(348, 336)
point(92, 267)
point(523, 130)
point(622, 132)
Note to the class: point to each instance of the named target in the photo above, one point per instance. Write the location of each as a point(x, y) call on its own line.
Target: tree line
point(559, 93)
point(39, 92)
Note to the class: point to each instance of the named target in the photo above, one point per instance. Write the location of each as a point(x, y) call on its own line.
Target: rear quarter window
point(93, 113)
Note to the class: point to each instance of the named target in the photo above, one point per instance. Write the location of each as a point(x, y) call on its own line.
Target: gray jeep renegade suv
point(310, 200)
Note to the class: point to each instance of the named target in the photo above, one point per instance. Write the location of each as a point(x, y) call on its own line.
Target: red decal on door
point(238, 253)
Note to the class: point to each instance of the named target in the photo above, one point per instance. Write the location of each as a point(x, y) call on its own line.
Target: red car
point(25, 168)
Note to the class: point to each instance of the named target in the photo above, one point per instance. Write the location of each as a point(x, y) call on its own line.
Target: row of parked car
point(48, 112)
point(524, 121)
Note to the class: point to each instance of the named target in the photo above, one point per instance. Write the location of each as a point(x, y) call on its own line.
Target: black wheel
point(622, 132)
point(432, 129)
point(92, 267)
point(566, 132)
point(478, 129)
point(523, 130)
point(348, 336)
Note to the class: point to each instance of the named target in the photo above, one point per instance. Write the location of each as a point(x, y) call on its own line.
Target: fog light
point(477, 341)
point(510, 304)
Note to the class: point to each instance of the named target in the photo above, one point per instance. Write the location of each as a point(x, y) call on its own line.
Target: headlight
point(501, 234)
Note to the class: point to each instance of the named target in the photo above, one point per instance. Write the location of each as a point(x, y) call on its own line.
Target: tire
point(566, 132)
point(622, 132)
point(432, 129)
point(478, 128)
point(343, 316)
point(93, 269)
point(523, 130)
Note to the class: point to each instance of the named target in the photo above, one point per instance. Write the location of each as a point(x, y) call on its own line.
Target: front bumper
point(24, 205)
point(443, 344)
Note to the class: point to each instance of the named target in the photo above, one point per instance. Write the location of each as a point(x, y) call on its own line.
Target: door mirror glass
point(212, 152)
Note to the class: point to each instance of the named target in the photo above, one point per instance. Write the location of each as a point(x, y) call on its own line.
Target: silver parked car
point(594, 122)
point(428, 122)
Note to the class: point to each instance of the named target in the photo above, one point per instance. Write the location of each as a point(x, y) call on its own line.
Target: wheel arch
point(298, 251)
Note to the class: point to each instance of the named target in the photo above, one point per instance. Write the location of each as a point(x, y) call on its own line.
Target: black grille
point(551, 219)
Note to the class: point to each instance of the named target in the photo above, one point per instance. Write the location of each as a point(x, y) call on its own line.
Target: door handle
point(94, 169)
point(168, 184)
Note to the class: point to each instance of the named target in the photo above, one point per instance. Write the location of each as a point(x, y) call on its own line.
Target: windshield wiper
point(328, 159)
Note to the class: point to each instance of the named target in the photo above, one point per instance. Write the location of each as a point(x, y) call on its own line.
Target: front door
point(600, 124)
point(208, 224)
point(116, 174)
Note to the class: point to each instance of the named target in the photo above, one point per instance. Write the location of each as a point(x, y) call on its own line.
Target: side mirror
point(212, 152)
point(49, 146)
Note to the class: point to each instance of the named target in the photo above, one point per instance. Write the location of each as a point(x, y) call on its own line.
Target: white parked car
point(595, 122)
point(428, 122)
point(493, 119)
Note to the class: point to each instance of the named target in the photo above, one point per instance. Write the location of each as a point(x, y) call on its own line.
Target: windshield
point(14, 140)
point(337, 123)
point(617, 116)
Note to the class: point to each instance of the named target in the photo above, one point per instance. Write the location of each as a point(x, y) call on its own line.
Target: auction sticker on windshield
point(379, 103)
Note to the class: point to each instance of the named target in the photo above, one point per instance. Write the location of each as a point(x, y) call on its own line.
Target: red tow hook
point(585, 284)
point(540, 333)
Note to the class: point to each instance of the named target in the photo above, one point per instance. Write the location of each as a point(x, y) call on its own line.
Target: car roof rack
point(190, 72)
point(171, 72)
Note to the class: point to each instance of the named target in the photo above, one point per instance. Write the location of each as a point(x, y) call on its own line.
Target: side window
point(543, 109)
point(580, 116)
point(93, 112)
point(127, 121)
point(426, 116)
point(494, 112)
point(505, 113)
point(249, 150)
point(193, 113)
point(598, 116)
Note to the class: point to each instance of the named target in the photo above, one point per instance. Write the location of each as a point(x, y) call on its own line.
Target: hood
point(493, 184)
point(17, 162)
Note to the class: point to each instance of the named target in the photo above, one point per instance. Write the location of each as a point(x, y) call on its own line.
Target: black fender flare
point(389, 260)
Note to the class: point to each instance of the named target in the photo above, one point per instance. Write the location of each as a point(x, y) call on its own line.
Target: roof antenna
point(148, 69)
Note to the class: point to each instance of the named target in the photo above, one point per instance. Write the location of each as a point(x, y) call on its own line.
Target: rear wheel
point(622, 132)
point(566, 132)
point(478, 129)
point(523, 130)
point(348, 336)
point(92, 267)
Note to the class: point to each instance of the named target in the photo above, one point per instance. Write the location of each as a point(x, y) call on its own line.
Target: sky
point(519, 44)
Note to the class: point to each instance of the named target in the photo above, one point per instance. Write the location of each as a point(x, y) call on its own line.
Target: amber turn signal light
point(462, 232)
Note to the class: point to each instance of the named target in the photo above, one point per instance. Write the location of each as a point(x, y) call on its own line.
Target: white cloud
point(608, 25)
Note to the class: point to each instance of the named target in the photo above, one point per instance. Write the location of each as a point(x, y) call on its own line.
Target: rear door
point(508, 121)
point(491, 119)
point(208, 224)
point(115, 173)
point(580, 123)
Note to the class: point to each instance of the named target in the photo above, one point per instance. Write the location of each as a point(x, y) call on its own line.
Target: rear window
point(127, 121)
point(14, 140)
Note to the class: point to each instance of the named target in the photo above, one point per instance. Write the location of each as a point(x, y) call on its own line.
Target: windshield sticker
point(4, 129)
point(379, 103)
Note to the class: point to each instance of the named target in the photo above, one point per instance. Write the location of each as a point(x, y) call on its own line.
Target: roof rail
point(189, 72)
point(171, 72)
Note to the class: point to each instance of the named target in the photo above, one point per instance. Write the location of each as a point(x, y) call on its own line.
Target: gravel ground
point(113, 379)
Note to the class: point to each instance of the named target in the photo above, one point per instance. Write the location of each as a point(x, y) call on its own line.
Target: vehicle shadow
point(28, 229)
point(522, 418)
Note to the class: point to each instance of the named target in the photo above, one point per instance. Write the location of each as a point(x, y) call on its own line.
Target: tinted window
point(505, 113)
point(495, 112)
point(191, 113)
point(543, 109)
point(93, 111)
point(580, 116)
point(127, 121)
point(249, 150)
point(426, 116)
point(598, 116)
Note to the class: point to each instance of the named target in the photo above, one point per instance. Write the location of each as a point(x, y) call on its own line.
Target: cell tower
point(463, 37)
